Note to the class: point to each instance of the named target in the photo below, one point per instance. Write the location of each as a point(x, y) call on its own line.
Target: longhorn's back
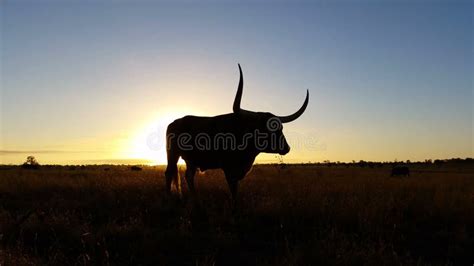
point(229, 142)
point(208, 142)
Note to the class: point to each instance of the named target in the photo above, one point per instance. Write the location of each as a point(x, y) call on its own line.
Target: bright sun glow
point(149, 142)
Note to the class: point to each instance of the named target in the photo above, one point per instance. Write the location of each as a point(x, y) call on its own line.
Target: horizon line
point(145, 162)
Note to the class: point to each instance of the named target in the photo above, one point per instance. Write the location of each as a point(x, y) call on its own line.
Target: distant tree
point(456, 160)
point(31, 160)
point(362, 163)
point(31, 163)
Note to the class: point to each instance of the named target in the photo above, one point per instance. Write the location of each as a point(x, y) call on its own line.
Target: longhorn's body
point(229, 142)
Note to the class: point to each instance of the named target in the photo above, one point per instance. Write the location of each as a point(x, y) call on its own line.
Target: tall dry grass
point(300, 215)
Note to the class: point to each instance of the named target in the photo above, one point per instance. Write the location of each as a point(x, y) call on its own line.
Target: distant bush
point(30, 163)
point(135, 168)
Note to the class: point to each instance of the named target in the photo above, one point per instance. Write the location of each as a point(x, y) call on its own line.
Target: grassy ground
point(300, 215)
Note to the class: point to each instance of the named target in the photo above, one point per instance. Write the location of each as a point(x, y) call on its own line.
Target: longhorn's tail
point(171, 173)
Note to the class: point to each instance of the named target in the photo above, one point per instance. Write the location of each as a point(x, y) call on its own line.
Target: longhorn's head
point(271, 139)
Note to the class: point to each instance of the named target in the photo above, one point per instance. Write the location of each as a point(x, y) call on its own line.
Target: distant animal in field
point(135, 168)
point(229, 142)
point(400, 170)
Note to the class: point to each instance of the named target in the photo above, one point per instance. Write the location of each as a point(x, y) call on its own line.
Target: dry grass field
point(299, 215)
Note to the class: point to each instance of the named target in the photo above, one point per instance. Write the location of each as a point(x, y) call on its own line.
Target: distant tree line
point(374, 164)
point(32, 163)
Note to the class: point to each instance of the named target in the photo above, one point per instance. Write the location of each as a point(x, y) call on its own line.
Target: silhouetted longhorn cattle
point(229, 142)
point(399, 170)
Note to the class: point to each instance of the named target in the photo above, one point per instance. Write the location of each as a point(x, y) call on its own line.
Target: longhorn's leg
point(190, 172)
point(171, 172)
point(233, 178)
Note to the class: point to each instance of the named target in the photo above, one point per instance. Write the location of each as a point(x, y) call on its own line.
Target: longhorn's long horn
point(238, 96)
point(286, 119)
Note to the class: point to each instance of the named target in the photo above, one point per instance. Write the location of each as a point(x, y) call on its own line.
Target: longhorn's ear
point(238, 96)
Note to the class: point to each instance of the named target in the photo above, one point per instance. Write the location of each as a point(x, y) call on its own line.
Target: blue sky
point(89, 81)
